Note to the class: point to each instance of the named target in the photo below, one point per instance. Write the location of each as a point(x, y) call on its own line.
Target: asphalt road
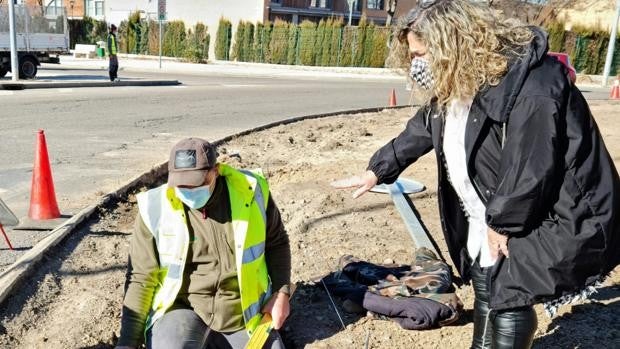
point(100, 138)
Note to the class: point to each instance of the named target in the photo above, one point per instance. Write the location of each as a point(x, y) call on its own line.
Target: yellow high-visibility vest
point(112, 44)
point(163, 214)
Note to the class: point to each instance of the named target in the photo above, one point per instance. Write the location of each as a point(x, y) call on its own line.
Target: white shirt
point(456, 163)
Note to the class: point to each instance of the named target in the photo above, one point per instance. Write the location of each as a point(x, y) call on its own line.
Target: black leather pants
point(511, 328)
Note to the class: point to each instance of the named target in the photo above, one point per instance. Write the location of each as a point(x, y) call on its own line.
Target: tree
point(390, 8)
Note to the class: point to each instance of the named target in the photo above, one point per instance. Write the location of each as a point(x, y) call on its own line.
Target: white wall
point(118, 10)
point(191, 11)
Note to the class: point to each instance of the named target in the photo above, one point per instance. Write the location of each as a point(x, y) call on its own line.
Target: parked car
point(563, 57)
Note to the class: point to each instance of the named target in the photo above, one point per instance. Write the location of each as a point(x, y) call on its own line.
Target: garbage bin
point(100, 49)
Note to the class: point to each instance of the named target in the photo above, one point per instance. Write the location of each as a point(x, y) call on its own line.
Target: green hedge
point(262, 39)
point(336, 42)
point(223, 39)
point(279, 43)
point(174, 39)
point(379, 48)
point(307, 39)
point(236, 53)
point(293, 37)
point(197, 44)
point(87, 31)
point(327, 43)
point(243, 46)
point(587, 47)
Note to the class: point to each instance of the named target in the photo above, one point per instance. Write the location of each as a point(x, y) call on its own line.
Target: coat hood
point(497, 101)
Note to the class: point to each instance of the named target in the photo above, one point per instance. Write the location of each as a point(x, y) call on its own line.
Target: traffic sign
point(161, 10)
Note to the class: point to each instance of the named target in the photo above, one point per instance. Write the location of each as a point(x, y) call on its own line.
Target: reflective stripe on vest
point(163, 213)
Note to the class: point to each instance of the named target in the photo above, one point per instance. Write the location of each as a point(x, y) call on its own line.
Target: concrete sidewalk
point(141, 63)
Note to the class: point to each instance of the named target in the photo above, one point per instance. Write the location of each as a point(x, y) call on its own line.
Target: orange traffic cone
point(615, 90)
point(392, 101)
point(42, 196)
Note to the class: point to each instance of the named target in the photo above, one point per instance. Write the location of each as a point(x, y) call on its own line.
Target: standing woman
point(528, 195)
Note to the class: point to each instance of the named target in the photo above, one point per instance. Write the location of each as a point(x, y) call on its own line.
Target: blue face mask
point(194, 197)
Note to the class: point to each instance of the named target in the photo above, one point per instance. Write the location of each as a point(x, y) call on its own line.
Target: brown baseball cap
point(190, 159)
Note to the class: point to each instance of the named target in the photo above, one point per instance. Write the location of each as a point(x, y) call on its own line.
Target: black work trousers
point(113, 68)
point(503, 329)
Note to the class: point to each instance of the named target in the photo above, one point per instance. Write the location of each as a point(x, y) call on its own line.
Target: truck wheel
point(3, 72)
point(27, 68)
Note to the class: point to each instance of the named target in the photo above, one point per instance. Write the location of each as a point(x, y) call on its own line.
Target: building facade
point(297, 11)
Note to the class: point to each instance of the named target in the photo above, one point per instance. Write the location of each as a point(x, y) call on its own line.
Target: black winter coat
point(538, 162)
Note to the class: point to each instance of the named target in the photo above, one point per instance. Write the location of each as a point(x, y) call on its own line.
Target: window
point(94, 8)
point(355, 4)
point(320, 3)
point(375, 4)
point(53, 8)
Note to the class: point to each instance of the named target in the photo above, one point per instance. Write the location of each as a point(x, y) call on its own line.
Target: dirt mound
point(74, 299)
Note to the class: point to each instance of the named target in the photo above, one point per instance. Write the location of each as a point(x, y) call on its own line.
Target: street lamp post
point(13, 41)
point(611, 46)
point(351, 4)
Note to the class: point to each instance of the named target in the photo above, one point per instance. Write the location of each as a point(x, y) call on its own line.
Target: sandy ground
point(74, 299)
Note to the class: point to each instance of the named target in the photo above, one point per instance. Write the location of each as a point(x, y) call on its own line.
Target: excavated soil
point(74, 298)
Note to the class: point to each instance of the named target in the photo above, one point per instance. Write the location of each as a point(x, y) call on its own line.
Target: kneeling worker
point(208, 257)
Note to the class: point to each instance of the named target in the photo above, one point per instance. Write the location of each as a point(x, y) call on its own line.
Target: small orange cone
point(43, 203)
point(392, 101)
point(615, 90)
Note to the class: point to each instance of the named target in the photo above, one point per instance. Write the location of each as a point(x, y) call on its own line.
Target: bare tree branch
point(390, 8)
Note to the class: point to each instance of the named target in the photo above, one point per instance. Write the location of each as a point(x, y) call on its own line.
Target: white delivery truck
point(41, 34)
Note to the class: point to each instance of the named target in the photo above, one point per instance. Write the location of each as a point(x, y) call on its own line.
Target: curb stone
point(78, 84)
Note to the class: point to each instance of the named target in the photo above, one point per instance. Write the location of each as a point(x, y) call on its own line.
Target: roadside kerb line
point(12, 277)
point(78, 84)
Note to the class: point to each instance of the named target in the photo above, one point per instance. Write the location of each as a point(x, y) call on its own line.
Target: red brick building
point(297, 11)
point(75, 8)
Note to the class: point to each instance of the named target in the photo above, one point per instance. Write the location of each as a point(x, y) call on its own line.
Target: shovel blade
point(406, 186)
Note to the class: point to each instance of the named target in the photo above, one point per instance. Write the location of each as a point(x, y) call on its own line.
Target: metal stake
point(333, 305)
point(398, 192)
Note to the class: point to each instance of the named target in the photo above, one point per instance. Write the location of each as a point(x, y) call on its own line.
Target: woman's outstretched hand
point(362, 183)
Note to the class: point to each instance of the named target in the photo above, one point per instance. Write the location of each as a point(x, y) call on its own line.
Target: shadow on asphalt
point(79, 78)
point(74, 77)
point(60, 68)
point(16, 249)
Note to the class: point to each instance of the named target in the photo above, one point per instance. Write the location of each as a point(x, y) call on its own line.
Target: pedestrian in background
point(529, 197)
point(112, 53)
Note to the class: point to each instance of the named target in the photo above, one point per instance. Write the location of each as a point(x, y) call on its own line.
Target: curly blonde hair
point(469, 46)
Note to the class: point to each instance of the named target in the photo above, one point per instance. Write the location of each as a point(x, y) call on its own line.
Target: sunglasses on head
point(424, 4)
